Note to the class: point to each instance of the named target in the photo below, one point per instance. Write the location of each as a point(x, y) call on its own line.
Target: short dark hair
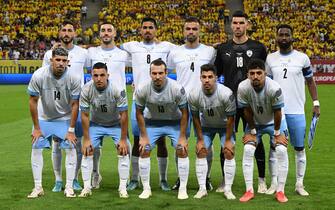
point(240, 13)
point(67, 22)
point(284, 26)
point(105, 23)
point(149, 19)
point(100, 65)
point(158, 62)
point(208, 67)
point(192, 19)
point(256, 63)
point(59, 51)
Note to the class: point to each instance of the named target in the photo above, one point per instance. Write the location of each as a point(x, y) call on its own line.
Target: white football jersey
point(55, 95)
point(77, 61)
point(116, 61)
point(212, 109)
point(105, 105)
point(290, 72)
point(187, 63)
point(163, 105)
point(262, 103)
point(142, 55)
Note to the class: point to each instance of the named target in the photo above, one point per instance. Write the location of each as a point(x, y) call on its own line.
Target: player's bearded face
point(191, 31)
point(208, 80)
point(239, 26)
point(59, 64)
point(158, 75)
point(284, 38)
point(66, 34)
point(100, 78)
point(148, 31)
point(257, 77)
point(107, 33)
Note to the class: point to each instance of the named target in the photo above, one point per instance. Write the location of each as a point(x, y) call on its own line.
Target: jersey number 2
point(285, 72)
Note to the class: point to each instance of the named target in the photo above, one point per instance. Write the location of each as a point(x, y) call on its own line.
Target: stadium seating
point(28, 27)
point(313, 23)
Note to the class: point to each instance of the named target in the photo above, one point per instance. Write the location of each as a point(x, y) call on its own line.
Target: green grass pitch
point(16, 177)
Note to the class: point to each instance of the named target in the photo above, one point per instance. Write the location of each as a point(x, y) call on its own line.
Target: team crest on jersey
point(123, 93)
point(182, 91)
point(278, 93)
point(249, 53)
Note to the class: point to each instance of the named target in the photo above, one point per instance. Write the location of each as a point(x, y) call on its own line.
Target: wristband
point(71, 130)
point(253, 131)
point(316, 103)
point(277, 132)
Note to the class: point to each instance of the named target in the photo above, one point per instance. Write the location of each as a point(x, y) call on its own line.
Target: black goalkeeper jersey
point(232, 60)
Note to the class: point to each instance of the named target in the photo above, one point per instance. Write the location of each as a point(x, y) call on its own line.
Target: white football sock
point(70, 166)
point(201, 171)
point(123, 167)
point(162, 168)
point(300, 162)
point(229, 173)
point(183, 171)
point(56, 158)
point(273, 168)
point(209, 160)
point(86, 171)
point(144, 169)
point(135, 167)
point(79, 157)
point(96, 160)
point(37, 166)
point(248, 166)
point(282, 157)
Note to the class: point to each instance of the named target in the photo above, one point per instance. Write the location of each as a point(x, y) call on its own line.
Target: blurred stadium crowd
point(29, 28)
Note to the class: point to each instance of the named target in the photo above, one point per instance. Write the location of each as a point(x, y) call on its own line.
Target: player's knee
point(228, 154)
point(281, 149)
point(145, 154)
point(249, 150)
point(202, 153)
point(181, 152)
point(299, 148)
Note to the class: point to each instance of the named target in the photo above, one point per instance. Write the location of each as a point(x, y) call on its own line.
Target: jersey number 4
point(192, 67)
